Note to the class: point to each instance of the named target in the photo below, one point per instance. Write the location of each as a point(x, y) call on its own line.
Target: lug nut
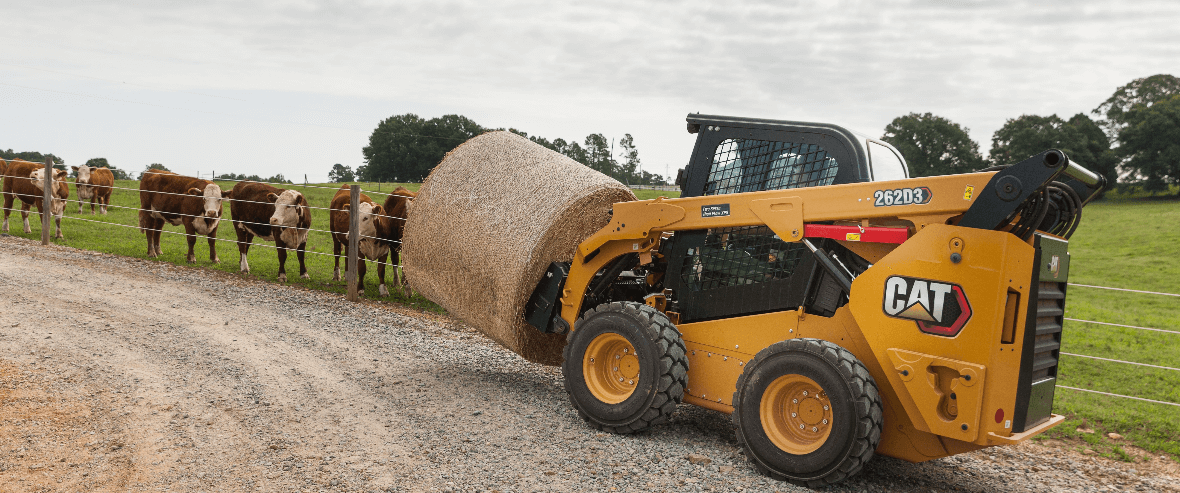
point(800, 427)
point(814, 428)
point(825, 421)
point(794, 401)
point(825, 407)
point(794, 415)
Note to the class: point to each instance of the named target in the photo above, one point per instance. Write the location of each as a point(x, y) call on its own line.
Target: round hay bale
point(487, 223)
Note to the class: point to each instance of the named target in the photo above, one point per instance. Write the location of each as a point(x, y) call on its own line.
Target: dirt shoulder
point(119, 374)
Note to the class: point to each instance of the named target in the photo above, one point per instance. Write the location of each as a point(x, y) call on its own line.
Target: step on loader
point(835, 307)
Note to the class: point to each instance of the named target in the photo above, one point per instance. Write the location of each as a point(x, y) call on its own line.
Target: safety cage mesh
point(746, 165)
point(736, 256)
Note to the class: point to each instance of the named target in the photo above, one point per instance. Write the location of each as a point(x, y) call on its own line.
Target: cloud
point(559, 70)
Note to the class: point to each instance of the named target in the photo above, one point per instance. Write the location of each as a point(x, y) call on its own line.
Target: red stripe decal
point(870, 234)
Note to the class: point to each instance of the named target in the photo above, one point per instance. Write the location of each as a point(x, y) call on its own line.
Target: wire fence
point(32, 198)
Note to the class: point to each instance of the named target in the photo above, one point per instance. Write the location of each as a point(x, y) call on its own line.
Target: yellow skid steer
point(834, 306)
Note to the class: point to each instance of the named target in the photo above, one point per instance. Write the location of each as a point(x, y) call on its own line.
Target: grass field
point(1132, 244)
point(1127, 242)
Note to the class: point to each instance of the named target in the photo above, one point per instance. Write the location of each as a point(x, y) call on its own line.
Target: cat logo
point(939, 308)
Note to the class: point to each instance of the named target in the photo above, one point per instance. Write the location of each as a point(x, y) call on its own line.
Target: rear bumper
point(1015, 438)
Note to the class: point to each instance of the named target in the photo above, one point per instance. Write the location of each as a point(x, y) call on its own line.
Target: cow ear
point(347, 206)
point(75, 168)
point(195, 191)
point(227, 195)
point(270, 197)
point(378, 210)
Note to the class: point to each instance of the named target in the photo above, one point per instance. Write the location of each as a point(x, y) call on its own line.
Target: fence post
point(46, 200)
point(354, 233)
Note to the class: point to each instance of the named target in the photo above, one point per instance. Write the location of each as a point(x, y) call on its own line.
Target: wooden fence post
point(46, 200)
point(354, 233)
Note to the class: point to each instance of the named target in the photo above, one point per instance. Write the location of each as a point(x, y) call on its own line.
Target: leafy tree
point(238, 177)
point(629, 155)
point(406, 147)
point(1080, 137)
point(279, 178)
point(1151, 143)
point(341, 174)
point(35, 157)
point(933, 145)
point(1144, 91)
point(151, 167)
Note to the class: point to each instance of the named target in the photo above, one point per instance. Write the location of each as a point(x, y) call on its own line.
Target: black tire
point(659, 356)
point(855, 416)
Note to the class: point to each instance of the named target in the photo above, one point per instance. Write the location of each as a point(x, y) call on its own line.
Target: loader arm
point(635, 227)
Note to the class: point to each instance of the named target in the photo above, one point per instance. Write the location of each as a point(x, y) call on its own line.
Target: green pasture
point(1129, 242)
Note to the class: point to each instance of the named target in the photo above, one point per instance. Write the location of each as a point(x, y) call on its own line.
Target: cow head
point(61, 191)
point(82, 182)
point(211, 199)
point(292, 215)
point(368, 224)
point(289, 208)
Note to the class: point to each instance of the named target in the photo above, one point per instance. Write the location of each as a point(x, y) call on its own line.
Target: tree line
point(1135, 140)
point(404, 148)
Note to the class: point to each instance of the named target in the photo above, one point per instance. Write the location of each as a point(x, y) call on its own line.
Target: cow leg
point(381, 275)
point(282, 253)
point(24, 214)
point(302, 266)
point(57, 224)
point(244, 239)
point(190, 236)
point(104, 203)
point(336, 246)
point(93, 198)
point(360, 275)
point(405, 285)
point(213, 246)
point(156, 233)
point(7, 211)
point(79, 201)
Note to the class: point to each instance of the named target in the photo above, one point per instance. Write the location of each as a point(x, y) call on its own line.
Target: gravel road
point(119, 374)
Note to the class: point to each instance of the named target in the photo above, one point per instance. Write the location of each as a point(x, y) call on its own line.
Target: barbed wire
point(224, 240)
point(1121, 325)
point(1120, 361)
point(150, 172)
point(1119, 395)
point(230, 220)
point(189, 195)
point(1124, 289)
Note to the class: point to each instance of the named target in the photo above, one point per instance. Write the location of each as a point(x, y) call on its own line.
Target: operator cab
point(735, 154)
point(727, 272)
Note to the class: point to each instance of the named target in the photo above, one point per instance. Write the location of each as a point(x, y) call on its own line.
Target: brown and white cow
point(94, 185)
point(26, 181)
point(180, 200)
point(390, 227)
point(370, 247)
point(272, 214)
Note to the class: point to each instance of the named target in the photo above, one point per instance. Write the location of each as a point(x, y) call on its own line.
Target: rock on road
point(119, 374)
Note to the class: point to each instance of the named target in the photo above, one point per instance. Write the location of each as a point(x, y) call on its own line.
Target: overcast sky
point(267, 87)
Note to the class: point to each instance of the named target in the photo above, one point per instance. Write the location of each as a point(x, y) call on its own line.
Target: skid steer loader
point(834, 306)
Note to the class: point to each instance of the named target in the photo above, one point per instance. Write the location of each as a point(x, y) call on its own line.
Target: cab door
point(726, 272)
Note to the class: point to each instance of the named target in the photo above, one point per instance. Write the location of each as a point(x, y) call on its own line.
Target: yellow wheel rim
point(796, 414)
point(610, 368)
